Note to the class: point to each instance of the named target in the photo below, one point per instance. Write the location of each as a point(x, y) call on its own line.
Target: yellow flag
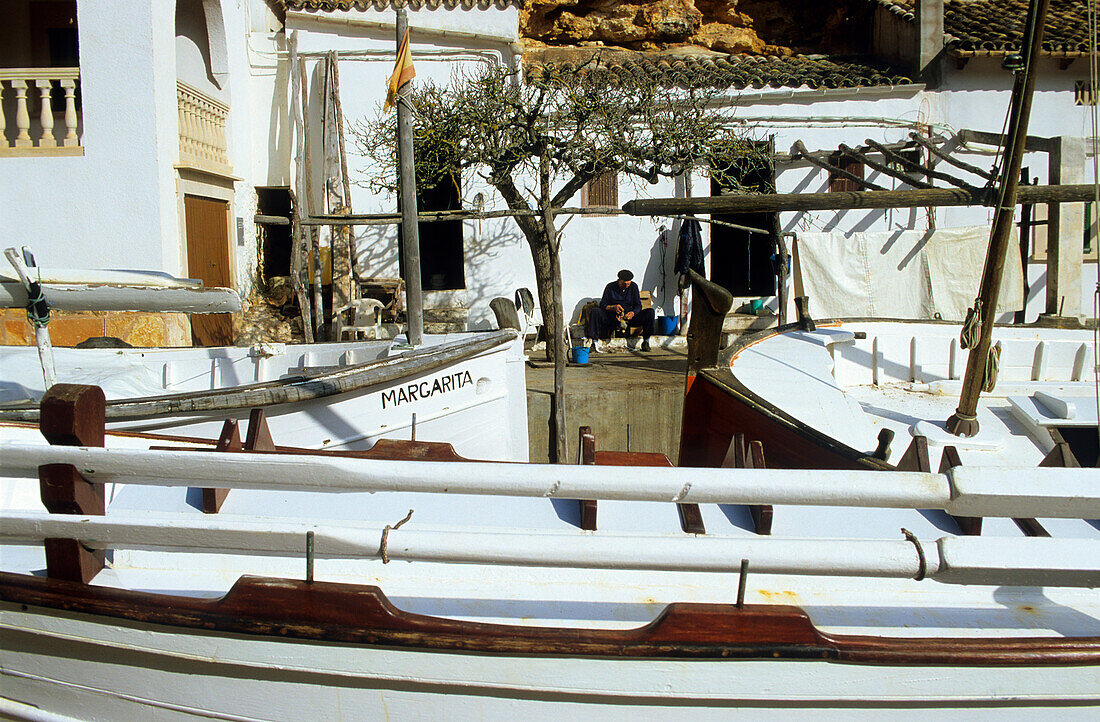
point(403, 72)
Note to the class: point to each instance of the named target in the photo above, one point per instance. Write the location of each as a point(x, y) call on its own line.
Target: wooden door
point(207, 223)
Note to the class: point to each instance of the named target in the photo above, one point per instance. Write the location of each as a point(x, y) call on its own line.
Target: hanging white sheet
point(901, 274)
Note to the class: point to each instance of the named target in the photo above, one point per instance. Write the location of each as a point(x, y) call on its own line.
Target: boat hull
point(84, 666)
point(470, 394)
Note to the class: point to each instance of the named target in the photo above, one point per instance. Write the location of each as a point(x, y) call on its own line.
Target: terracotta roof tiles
point(737, 72)
point(333, 5)
point(994, 27)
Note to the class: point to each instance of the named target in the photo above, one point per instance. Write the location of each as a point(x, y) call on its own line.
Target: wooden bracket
point(969, 525)
point(229, 440)
point(588, 457)
point(740, 455)
point(72, 415)
point(257, 438)
point(1061, 455)
point(915, 457)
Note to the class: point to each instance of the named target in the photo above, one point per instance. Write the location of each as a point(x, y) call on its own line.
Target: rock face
point(756, 27)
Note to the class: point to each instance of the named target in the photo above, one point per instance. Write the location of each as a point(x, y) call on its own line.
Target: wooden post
point(587, 456)
point(410, 233)
point(1065, 231)
point(344, 288)
point(72, 415)
point(779, 246)
point(964, 422)
point(297, 256)
point(313, 241)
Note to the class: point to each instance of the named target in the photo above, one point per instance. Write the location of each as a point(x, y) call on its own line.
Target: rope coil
point(992, 368)
point(972, 326)
point(38, 311)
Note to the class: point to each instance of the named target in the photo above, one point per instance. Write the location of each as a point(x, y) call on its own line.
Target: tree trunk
point(555, 326)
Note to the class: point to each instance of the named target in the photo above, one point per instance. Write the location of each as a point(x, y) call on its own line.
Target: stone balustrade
point(202, 131)
point(28, 118)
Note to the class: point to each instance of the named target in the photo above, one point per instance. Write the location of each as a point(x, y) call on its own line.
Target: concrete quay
point(632, 400)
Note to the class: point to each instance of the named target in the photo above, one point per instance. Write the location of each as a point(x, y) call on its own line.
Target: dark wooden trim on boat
point(361, 614)
point(72, 415)
point(305, 387)
point(730, 408)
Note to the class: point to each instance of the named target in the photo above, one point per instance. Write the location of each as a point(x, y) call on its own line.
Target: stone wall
point(755, 27)
point(68, 328)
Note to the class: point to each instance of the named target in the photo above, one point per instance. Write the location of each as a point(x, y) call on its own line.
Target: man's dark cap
point(625, 275)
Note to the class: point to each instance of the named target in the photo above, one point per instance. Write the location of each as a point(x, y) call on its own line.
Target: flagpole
point(410, 234)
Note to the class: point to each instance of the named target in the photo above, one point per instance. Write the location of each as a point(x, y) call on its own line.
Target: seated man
point(620, 307)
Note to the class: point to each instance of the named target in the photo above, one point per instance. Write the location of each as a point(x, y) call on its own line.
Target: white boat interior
point(851, 379)
point(464, 389)
point(872, 554)
point(500, 542)
point(127, 373)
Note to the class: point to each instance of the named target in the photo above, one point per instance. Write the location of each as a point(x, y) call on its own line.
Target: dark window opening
point(442, 256)
point(838, 182)
point(275, 243)
point(740, 261)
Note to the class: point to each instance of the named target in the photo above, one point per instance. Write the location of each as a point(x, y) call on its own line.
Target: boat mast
point(964, 422)
point(410, 234)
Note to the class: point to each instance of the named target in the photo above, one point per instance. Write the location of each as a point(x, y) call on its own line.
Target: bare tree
point(557, 129)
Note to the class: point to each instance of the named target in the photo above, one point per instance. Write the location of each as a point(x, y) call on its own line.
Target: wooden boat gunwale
point(362, 614)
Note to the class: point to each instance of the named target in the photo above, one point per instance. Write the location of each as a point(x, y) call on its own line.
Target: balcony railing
point(32, 102)
point(202, 131)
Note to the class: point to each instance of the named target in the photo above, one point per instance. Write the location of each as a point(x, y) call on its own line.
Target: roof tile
point(736, 72)
point(996, 26)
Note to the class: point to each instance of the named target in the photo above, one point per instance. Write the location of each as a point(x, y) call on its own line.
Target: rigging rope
point(992, 368)
point(972, 326)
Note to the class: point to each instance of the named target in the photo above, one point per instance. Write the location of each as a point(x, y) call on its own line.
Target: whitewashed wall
point(114, 206)
point(444, 41)
point(120, 204)
point(594, 248)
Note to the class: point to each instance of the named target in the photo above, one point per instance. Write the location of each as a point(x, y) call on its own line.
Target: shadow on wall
point(659, 276)
point(487, 276)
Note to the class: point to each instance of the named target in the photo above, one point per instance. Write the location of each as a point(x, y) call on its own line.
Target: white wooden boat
point(493, 602)
point(821, 397)
point(467, 389)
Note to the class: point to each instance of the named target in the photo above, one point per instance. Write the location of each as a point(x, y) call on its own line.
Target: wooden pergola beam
point(851, 200)
point(801, 152)
point(883, 168)
point(917, 167)
point(934, 150)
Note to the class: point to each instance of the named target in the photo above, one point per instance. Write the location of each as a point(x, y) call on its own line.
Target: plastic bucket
point(580, 354)
point(666, 325)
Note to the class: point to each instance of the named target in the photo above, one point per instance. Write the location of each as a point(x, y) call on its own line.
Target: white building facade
point(182, 124)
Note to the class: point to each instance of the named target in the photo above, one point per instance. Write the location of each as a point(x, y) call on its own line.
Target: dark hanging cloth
point(689, 250)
